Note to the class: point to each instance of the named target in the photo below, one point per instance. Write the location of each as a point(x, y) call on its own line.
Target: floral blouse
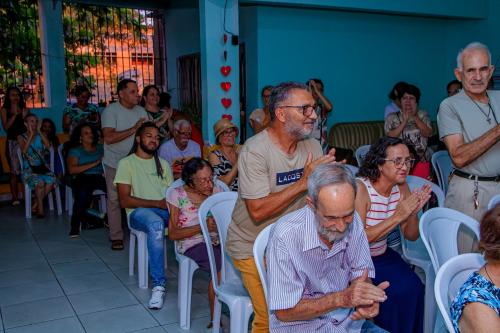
point(476, 289)
point(188, 217)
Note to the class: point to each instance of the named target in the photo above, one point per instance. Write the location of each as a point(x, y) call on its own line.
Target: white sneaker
point(156, 301)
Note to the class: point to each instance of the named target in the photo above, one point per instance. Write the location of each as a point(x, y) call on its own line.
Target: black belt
point(473, 177)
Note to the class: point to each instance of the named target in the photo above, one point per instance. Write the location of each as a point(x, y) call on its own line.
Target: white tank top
point(381, 208)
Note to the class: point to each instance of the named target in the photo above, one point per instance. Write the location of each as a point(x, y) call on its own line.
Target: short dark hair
point(80, 90)
point(376, 156)
point(489, 234)
point(164, 100)
point(268, 87)
point(396, 91)
point(318, 81)
point(123, 84)
point(281, 93)
point(193, 166)
point(452, 82)
point(411, 89)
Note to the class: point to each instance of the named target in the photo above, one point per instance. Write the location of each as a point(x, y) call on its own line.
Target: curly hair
point(489, 234)
point(376, 157)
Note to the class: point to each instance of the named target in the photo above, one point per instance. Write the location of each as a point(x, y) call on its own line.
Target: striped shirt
point(301, 266)
point(381, 208)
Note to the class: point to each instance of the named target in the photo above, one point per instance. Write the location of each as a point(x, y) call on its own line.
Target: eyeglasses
point(229, 132)
point(188, 134)
point(203, 181)
point(307, 109)
point(399, 162)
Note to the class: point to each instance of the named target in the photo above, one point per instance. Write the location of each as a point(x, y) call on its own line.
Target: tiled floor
point(50, 283)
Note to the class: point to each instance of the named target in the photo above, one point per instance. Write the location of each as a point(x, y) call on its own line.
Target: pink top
point(381, 208)
point(188, 217)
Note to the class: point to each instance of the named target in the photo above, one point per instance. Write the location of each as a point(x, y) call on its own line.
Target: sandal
point(117, 245)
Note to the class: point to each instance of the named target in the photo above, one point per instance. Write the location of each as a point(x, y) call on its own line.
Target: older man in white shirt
point(319, 264)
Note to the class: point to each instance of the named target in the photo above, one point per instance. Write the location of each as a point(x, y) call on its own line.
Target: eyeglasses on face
point(203, 181)
point(188, 134)
point(307, 109)
point(399, 162)
point(229, 132)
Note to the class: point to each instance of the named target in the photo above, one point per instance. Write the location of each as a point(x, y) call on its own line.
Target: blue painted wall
point(358, 55)
point(183, 37)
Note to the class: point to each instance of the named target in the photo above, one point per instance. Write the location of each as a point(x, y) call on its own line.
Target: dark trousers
point(83, 186)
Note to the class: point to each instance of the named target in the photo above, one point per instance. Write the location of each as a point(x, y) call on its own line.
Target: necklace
point(491, 111)
point(487, 274)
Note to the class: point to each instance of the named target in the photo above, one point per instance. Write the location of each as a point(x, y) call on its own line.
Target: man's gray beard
point(331, 236)
point(297, 132)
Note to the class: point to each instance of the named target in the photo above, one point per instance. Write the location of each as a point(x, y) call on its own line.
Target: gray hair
point(326, 175)
point(280, 93)
point(469, 47)
point(181, 123)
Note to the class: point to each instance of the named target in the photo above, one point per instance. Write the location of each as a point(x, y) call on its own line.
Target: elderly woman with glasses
point(386, 205)
point(224, 159)
point(183, 227)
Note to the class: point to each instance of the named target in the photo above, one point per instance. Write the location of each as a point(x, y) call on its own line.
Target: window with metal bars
point(20, 63)
point(106, 44)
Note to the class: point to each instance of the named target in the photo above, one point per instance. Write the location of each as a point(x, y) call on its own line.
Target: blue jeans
point(370, 327)
point(152, 221)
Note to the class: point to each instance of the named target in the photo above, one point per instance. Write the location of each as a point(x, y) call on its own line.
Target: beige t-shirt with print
point(263, 169)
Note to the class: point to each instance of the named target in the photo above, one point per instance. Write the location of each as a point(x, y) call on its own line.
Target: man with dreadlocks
point(141, 180)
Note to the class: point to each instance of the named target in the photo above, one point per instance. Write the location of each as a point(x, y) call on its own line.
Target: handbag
point(41, 169)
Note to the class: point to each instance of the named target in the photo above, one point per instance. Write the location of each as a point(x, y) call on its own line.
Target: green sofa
point(354, 134)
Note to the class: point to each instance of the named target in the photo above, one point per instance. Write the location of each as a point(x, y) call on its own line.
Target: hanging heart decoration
point(226, 102)
point(225, 70)
point(227, 116)
point(225, 86)
point(225, 38)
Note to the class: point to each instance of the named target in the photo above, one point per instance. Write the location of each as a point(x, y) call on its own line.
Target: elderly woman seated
point(413, 126)
point(35, 146)
point(224, 159)
point(477, 305)
point(183, 225)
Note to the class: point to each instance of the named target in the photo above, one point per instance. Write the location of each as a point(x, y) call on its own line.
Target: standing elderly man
point(273, 167)
point(180, 149)
point(319, 262)
point(119, 121)
point(468, 125)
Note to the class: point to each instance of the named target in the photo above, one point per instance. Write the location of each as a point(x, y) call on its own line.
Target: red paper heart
point(225, 86)
point(227, 116)
point(225, 70)
point(225, 38)
point(226, 102)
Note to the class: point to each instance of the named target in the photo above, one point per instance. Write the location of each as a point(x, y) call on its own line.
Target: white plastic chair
point(441, 163)
point(68, 193)
point(416, 254)
point(450, 278)
point(27, 189)
point(187, 267)
point(360, 153)
point(438, 231)
point(352, 168)
point(494, 201)
point(230, 289)
point(259, 251)
point(142, 255)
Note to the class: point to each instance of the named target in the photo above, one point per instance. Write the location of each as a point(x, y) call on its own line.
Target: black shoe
point(74, 233)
